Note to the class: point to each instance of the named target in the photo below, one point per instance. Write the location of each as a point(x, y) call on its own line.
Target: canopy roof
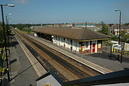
point(72, 33)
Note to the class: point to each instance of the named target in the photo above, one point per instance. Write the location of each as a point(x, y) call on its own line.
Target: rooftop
point(78, 34)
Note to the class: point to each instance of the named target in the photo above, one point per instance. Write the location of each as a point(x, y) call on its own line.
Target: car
point(117, 46)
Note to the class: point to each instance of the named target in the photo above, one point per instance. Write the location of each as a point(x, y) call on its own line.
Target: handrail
point(110, 78)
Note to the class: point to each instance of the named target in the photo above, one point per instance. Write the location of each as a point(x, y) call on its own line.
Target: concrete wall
point(48, 81)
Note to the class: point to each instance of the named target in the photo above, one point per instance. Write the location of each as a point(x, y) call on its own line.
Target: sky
point(66, 11)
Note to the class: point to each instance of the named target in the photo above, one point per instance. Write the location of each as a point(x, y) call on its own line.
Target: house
point(75, 39)
point(115, 29)
point(90, 26)
point(125, 28)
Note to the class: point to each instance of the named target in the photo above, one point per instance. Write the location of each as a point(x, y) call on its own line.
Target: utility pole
point(5, 41)
point(119, 29)
point(8, 29)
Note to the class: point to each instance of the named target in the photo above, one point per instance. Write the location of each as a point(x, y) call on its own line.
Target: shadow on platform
point(113, 57)
point(4, 82)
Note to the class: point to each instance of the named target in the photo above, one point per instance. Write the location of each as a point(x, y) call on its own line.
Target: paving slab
point(22, 72)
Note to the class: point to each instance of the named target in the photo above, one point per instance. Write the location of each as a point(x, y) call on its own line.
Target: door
point(93, 48)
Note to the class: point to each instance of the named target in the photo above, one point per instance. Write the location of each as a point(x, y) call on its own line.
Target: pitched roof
point(116, 26)
point(72, 33)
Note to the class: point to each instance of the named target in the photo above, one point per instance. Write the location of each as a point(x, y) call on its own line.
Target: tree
point(104, 28)
point(1, 35)
point(124, 36)
point(114, 37)
point(127, 37)
point(126, 24)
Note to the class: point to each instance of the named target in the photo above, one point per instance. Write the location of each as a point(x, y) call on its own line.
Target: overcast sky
point(62, 11)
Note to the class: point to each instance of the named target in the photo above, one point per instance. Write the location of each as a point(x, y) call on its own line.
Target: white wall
point(58, 41)
point(61, 41)
point(75, 44)
point(67, 44)
point(77, 47)
point(54, 39)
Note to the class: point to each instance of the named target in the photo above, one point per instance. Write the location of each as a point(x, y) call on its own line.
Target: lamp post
point(120, 43)
point(119, 24)
point(7, 29)
point(4, 33)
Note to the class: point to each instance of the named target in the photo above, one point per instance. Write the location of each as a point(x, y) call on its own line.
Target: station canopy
point(73, 33)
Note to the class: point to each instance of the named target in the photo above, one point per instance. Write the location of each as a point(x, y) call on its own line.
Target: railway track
point(66, 64)
point(59, 68)
point(48, 67)
point(68, 68)
point(70, 61)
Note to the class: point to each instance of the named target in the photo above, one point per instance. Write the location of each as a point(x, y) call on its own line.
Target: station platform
point(100, 62)
point(24, 68)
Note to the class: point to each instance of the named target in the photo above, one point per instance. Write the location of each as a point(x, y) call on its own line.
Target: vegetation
point(23, 27)
point(2, 52)
point(126, 24)
point(104, 28)
point(114, 37)
point(1, 35)
point(1, 48)
point(28, 30)
point(124, 36)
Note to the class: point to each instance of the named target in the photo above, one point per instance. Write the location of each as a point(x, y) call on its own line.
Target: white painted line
point(34, 62)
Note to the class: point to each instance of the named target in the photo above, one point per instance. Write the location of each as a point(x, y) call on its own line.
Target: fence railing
point(110, 78)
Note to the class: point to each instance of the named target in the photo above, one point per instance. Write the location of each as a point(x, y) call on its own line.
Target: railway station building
point(79, 40)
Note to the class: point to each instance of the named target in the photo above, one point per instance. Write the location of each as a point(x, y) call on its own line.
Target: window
point(87, 43)
point(81, 43)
